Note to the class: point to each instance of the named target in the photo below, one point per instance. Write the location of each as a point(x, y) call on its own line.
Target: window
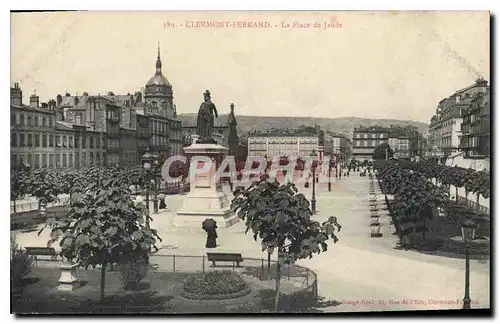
point(83, 142)
point(29, 123)
point(70, 144)
point(29, 160)
point(37, 140)
point(58, 160)
point(51, 122)
point(21, 140)
point(13, 139)
point(37, 160)
point(70, 159)
point(91, 142)
point(91, 156)
point(44, 121)
point(44, 159)
point(84, 159)
point(36, 120)
point(22, 119)
point(64, 163)
point(365, 135)
point(51, 140)
point(51, 160)
point(12, 119)
point(98, 158)
point(58, 141)
point(44, 140)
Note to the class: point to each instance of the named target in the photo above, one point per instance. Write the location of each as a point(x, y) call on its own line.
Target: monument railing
point(303, 280)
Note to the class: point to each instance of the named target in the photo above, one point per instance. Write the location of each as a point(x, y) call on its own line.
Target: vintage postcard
point(221, 162)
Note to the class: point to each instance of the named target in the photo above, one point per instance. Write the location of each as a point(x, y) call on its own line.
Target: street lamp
point(313, 200)
point(468, 232)
point(147, 161)
point(330, 164)
point(155, 178)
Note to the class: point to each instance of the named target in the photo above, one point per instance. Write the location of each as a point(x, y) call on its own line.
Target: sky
point(391, 65)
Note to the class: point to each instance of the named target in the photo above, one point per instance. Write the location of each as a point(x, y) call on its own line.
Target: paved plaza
point(363, 273)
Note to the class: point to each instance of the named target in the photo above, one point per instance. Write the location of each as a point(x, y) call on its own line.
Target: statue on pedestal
point(233, 133)
point(206, 119)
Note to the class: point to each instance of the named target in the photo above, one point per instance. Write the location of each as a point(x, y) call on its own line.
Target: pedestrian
point(210, 226)
point(163, 204)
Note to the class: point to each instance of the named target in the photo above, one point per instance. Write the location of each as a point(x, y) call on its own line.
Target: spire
point(158, 61)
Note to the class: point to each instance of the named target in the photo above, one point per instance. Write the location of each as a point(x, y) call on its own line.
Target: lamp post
point(468, 232)
point(147, 161)
point(155, 178)
point(313, 200)
point(330, 163)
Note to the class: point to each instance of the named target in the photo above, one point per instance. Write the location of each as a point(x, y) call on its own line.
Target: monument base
point(68, 280)
point(206, 199)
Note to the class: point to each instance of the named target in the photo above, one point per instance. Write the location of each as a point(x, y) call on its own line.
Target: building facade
point(366, 139)
point(475, 139)
point(445, 128)
point(292, 144)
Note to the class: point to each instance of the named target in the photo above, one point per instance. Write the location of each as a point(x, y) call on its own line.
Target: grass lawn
point(160, 292)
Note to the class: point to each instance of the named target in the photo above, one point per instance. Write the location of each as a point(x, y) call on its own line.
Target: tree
point(383, 152)
point(17, 186)
point(281, 218)
point(43, 184)
point(104, 226)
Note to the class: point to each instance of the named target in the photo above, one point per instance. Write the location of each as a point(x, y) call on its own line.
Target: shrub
point(20, 263)
point(132, 271)
point(214, 283)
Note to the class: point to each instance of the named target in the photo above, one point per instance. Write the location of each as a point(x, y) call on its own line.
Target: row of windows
point(49, 140)
point(370, 135)
point(33, 119)
point(59, 160)
point(368, 143)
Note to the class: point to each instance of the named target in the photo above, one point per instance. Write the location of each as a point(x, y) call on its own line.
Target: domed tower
point(158, 93)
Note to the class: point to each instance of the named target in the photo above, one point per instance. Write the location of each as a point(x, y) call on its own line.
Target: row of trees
point(420, 188)
point(416, 199)
point(476, 182)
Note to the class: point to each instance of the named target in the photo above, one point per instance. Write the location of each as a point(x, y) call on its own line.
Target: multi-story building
point(292, 144)
point(340, 145)
point(32, 131)
point(445, 126)
point(366, 139)
point(475, 139)
point(399, 142)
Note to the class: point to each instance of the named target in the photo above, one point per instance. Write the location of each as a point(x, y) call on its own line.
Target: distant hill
point(343, 125)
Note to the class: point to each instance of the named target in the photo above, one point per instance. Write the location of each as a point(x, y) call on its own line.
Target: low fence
point(472, 204)
point(303, 280)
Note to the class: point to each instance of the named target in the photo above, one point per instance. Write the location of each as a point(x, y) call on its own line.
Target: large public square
point(359, 273)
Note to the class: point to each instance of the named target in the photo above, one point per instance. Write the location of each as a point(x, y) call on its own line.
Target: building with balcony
point(445, 128)
point(475, 137)
point(289, 143)
point(366, 139)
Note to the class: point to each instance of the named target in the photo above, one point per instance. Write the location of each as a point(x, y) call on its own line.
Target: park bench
point(41, 251)
point(226, 257)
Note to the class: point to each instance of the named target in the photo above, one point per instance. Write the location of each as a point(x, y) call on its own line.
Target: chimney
point(16, 95)
point(34, 100)
point(77, 100)
point(59, 99)
point(44, 105)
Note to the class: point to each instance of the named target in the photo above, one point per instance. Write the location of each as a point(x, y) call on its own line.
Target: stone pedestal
point(206, 199)
point(68, 280)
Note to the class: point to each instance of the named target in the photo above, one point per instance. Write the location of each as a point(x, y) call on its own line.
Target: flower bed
point(215, 285)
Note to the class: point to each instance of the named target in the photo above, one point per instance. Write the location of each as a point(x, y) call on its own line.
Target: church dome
point(158, 80)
